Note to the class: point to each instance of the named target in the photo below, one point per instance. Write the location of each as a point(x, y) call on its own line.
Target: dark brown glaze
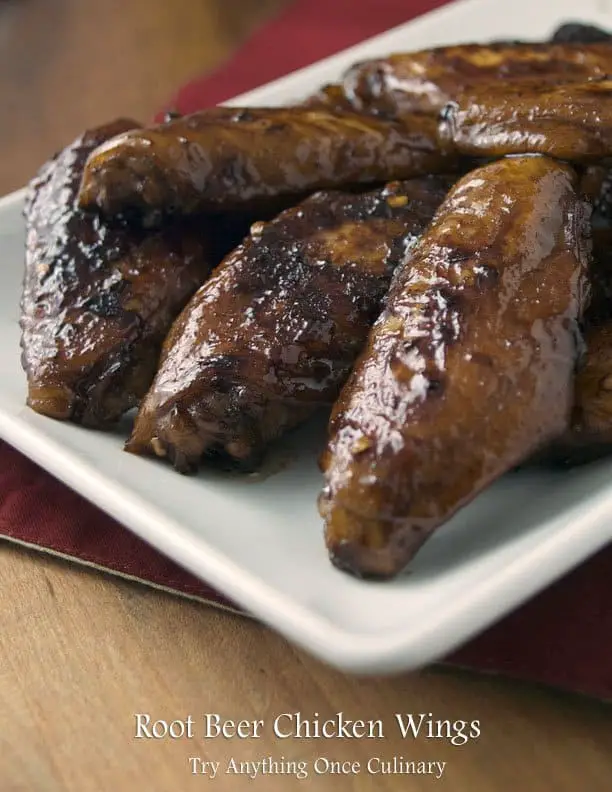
point(97, 299)
point(275, 331)
point(600, 307)
point(591, 430)
point(330, 97)
point(468, 369)
point(592, 423)
point(596, 186)
point(228, 158)
point(590, 434)
point(571, 121)
point(579, 33)
point(423, 82)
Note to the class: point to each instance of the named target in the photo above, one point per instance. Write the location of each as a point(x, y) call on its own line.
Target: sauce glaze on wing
point(593, 406)
point(423, 82)
point(469, 368)
point(275, 331)
point(230, 158)
point(97, 299)
point(590, 435)
point(569, 121)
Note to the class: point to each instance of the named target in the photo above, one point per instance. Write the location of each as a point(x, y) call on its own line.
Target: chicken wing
point(570, 121)
point(229, 158)
point(423, 82)
point(274, 333)
point(331, 97)
point(579, 33)
point(590, 435)
point(592, 423)
point(596, 186)
point(97, 299)
point(468, 369)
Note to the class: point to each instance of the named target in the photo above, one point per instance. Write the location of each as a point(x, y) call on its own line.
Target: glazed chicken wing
point(423, 82)
point(590, 434)
point(97, 299)
point(593, 407)
point(274, 333)
point(596, 186)
point(229, 158)
point(468, 369)
point(570, 121)
point(591, 430)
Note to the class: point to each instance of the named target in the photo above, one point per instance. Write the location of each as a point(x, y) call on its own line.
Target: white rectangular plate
point(260, 542)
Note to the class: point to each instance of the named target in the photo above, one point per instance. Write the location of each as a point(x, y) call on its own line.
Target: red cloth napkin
point(560, 638)
point(307, 31)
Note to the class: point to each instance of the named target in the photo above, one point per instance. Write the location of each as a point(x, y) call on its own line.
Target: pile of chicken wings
point(425, 247)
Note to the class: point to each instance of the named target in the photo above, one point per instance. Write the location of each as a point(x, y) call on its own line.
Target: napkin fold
point(560, 638)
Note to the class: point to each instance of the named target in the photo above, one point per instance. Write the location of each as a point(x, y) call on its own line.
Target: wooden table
point(81, 653)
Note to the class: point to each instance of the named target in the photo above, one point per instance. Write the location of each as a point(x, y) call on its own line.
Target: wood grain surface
point(81, 653)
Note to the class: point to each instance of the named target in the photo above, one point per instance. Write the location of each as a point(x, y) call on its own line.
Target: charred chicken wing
point(228, 158)
point(97, 299)
point(468, 369)
point(579, 33)
point(275, 331)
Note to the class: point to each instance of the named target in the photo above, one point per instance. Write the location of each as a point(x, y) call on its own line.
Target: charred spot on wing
point(437, 385)
point(243, 115)
point(486, 276)
point(481, 359)
point(578, 33)
point(106, 305)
